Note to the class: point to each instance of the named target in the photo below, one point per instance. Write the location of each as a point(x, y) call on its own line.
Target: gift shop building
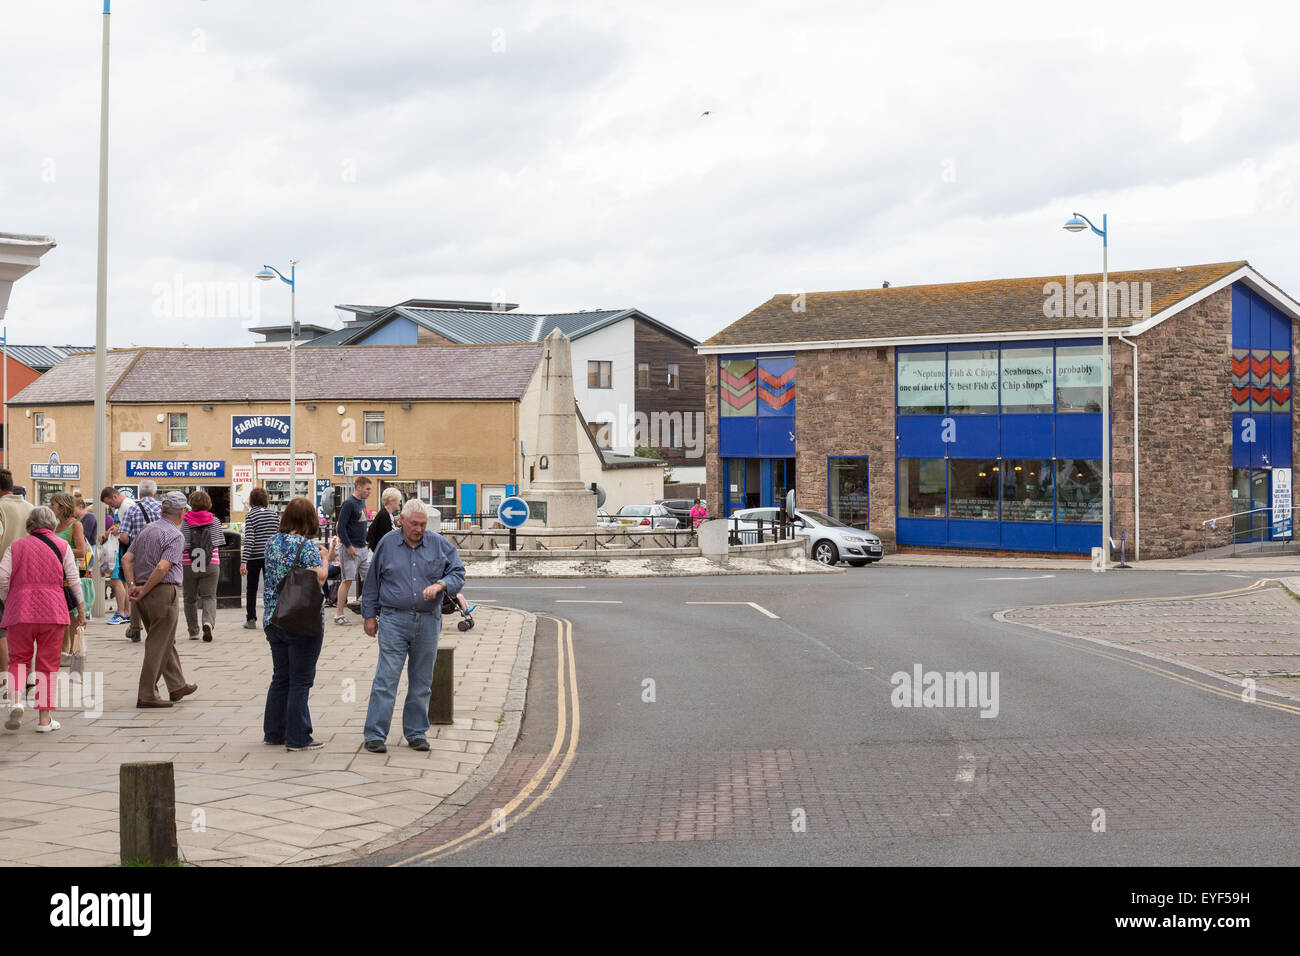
point(968, 415)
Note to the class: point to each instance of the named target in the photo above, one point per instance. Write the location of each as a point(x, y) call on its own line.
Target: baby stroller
point(451, 606)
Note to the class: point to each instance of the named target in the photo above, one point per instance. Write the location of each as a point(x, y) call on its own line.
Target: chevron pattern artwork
point(737, 388)
point(1261, 380)
point(776, 386)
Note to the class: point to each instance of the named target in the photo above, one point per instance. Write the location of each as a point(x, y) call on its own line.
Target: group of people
point(168, 557)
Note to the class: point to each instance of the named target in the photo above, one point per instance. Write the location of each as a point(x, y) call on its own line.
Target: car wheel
point(858, 564)
point(825, 552)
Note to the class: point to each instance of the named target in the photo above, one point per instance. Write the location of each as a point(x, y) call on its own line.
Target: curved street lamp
point(266, 274)
point(1077, 223)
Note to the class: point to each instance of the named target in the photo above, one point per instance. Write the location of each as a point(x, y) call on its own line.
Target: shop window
point(737, 388)
point(1027, 489)
point(1078, 490)
point(1241, 380)
point(921, 382)
point(1026, 380)
point(642, 374)
point(45, 490)
point(1078, 378)
point(674, 377)
point(776, 386)
point(178, 428)
point(974, 490)
point(600, 374)
point(922, 487)
point(374, 423)
point(38, 424)
point(846, 490)
point(973, 381)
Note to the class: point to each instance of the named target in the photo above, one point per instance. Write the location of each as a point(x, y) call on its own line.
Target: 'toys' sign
point(513, 512)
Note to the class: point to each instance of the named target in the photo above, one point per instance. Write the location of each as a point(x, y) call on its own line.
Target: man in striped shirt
point(259, 525)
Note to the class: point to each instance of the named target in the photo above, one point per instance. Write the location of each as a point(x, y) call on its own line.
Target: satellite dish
point(600, 494)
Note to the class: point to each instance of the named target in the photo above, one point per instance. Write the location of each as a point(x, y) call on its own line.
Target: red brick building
point(967, 415)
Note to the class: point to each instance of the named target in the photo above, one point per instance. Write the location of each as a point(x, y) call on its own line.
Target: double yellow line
point(560, 757)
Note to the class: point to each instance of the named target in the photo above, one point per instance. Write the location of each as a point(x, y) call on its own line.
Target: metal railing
point(603, 538)
point(1230, 534)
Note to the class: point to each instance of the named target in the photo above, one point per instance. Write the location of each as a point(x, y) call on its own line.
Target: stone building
point(967, 415)
point(455, 426)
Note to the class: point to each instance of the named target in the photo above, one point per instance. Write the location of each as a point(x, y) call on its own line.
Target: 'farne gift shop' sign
point(174, 468)
point(259, 431)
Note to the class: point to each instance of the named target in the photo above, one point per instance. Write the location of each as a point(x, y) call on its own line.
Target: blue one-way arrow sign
point(513, 512)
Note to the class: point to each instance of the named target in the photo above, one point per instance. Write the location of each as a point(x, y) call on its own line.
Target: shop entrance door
point(1250, 492)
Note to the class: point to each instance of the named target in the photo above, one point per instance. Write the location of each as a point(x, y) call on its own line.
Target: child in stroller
point(458, 605)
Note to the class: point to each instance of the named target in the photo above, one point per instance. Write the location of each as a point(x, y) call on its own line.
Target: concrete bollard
point(146, 802)
point(441, 702)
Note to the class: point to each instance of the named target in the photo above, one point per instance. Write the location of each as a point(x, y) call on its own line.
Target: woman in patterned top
point(293, 656)
point(261, 523)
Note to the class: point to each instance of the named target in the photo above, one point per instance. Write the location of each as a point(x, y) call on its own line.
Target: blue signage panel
point(513, 512)
point(322, 489)
point(259, 431)
point(367, 465)
point(174, 468)
point(56, 470)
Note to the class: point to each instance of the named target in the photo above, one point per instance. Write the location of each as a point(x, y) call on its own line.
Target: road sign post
point(513, 512)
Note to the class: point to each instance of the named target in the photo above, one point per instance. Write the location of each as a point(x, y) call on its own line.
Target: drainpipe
point(1137, 489)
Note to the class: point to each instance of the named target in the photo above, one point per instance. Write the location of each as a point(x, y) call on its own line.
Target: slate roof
point(42, 358)
point(481, 327)
point(372, 372)
point(954, 308)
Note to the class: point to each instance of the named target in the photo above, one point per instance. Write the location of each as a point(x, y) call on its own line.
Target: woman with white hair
point(33, 576)
point(390, 504)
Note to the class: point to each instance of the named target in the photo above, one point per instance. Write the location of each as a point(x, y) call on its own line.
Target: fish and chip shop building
point(968, 415)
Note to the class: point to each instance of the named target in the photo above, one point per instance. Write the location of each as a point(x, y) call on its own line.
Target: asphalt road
point(773, 739)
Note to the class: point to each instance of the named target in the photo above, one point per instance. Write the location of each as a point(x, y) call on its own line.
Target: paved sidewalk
point(240, 801)
point(1253, 635)
point(1266, 566)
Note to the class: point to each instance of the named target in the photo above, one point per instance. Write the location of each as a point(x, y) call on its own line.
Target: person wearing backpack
point(202, 564)
point(294, 652)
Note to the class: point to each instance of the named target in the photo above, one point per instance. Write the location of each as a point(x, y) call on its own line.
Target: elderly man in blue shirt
point(402, 604)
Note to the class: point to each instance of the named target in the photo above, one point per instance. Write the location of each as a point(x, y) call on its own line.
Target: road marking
point(564, 653)
point(573, 601)
point(1032, 577)
point(757, 607)
point(1173, 597)
point(1222, 574)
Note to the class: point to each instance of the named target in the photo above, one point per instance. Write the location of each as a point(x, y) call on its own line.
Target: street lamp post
point(1078, 223)
point(266, 274)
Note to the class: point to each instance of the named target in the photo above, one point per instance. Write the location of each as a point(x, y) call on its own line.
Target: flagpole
point(101, 321)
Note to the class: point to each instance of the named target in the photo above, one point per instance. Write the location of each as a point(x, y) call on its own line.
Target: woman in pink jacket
point(32, 575)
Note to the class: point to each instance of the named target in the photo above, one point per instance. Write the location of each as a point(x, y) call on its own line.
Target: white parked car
point(832, 540)
point(645, 516)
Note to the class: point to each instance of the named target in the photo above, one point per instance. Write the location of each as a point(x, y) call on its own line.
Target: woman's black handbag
point(298, 607)
point(69, 595)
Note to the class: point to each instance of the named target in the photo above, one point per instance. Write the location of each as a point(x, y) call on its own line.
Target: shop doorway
point(220, 495)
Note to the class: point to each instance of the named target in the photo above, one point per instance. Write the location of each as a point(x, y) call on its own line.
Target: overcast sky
point(553, 154)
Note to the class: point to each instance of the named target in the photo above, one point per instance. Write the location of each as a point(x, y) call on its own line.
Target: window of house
point(674, 376)
point(1078, 490)
point(846, 490)
point(922, 487)
point(642, 374)
point(374, 428)
point(38, 422)
point(178, 428)
point(599, 374)
point(600, 432)
point(1026, 380)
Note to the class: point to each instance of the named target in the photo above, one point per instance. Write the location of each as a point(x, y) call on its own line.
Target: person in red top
point(698, 514)
point(32, 575)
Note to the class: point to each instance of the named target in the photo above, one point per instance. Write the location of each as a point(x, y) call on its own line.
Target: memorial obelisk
point(570, 505)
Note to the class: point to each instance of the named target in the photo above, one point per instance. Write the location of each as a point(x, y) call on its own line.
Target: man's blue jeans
point(403, 636)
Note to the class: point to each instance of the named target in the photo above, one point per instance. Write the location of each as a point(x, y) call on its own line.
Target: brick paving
point(240, 801)
point(1252, 635)
point(896, 791)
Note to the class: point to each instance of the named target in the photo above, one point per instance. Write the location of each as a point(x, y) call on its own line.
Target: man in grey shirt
point(153, 566)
